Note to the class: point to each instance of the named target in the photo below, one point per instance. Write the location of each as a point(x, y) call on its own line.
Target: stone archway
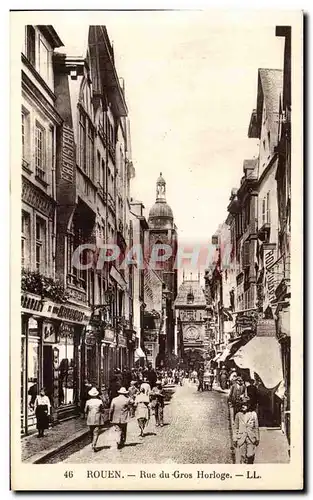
point(193, 358)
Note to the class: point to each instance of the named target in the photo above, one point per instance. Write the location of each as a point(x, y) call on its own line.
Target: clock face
point(192, 334)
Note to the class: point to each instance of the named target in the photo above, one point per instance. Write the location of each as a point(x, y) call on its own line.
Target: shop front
point(108, 347)
point(131, 346)
point(151, 345)
point(50, 357)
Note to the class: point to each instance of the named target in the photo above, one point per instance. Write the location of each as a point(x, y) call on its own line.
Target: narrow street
point(196, 430)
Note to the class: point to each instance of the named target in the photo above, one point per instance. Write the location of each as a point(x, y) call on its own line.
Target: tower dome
point(161, 214)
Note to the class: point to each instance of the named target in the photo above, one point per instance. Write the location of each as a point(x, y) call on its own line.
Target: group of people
point(140, 397)
point(243, 400)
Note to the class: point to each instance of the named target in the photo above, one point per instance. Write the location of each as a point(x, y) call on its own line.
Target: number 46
point(68, 474)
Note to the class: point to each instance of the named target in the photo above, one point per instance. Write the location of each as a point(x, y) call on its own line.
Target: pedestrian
point(119, 416)
point(252, 393)
point(223, 377)
point(42, 408)
point(246, 432)
point(236, 394)
point(132, 392)
point(157, 403)
point(84, 396)
point(211, 378)
point(194, 376)
point(93, 413)
point(151, 376)
point(200, 379)
point(142, 410)
point(104, 396)
point(146, 386)
point(233, 376)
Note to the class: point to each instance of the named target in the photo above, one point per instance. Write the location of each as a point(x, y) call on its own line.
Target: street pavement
point(196, 430)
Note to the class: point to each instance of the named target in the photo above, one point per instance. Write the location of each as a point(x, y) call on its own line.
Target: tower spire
point(160, 189)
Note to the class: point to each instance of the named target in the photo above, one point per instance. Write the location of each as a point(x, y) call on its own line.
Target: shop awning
point(262, 355)
point(230, 349)
point(217, 356)
point(139, 353)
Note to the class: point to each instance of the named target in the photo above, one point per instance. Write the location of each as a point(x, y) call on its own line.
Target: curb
point(41, 457)
point(232, 447)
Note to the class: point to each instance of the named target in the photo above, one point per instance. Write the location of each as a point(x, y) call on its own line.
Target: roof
point(161, 209)
point(270, 87)
point(192, 288)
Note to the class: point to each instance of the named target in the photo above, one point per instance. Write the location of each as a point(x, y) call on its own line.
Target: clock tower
point(190, 308)
point(162, 230)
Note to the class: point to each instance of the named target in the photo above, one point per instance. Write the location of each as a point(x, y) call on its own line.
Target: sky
point(191, 85)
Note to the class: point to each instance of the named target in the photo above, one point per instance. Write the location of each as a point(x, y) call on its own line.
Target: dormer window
point(190, 298)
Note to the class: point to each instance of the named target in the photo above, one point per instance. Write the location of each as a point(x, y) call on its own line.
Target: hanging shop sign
point(109, 335)
point(150, 336)
point(122, 340)
point(266, 328)
point(91, 338)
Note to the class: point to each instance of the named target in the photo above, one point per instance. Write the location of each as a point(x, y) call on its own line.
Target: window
point(268, 208)
point(269, 138)
point(263, 211)
point(99, 168)
point(40, 150)
point(40, 251)
point(103, 173)
point(91, 168)
point(25, 137)
point(25, 239)
point(82, 142)
point(43, 60)
point(30, 44)
point(264, 145)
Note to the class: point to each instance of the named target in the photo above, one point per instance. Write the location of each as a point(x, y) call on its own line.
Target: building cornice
point(37, 96)
point(38, 77)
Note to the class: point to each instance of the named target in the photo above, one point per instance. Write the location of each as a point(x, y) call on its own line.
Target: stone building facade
point(77, 320)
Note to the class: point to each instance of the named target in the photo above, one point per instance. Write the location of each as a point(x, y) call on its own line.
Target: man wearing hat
point(236, 393)
point(119, 415)
point(93, 412)
point(157, 396)
point(246, 432)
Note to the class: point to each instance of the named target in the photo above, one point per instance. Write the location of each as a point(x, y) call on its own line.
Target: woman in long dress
point(42, 409)
point(142, 410)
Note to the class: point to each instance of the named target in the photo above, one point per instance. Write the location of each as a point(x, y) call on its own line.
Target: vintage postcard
point(156, 174)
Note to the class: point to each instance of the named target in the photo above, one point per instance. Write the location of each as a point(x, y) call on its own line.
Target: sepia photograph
point(157, 213)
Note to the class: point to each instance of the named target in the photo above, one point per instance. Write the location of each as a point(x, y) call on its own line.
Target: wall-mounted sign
point(269, 276)
point(48, 331)
point(68, 151)
point(69, 314)
point(67, 330)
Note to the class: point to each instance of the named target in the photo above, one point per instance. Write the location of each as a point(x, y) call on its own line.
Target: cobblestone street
point(196, 430)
